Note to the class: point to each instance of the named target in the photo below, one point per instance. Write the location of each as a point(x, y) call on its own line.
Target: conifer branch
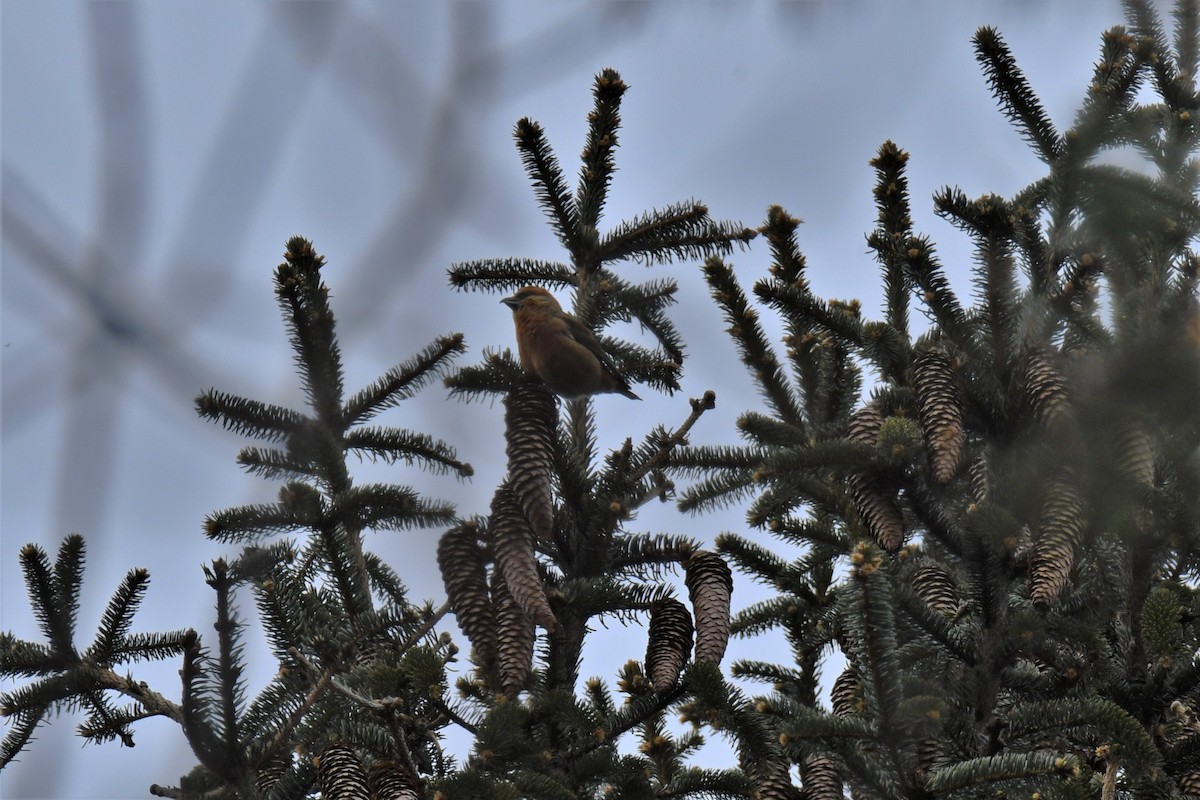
point(402, 381)
point(1011, 89)
point(510, 274)
point(598, 165)
point(757, 353)
point(549, 184)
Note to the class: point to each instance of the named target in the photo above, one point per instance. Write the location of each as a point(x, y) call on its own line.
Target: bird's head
point(532, 298)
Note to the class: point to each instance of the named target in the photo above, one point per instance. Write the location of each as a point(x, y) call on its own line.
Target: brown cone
point(1059, 534)
point(531, 419)
point(512, 545)
point(940, 412)
point(340, 774)
point(515, 635)
point(463, 565)
point(710, 585)
point(668, 643)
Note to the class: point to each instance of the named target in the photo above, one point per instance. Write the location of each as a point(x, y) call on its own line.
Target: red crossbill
point(559, 349)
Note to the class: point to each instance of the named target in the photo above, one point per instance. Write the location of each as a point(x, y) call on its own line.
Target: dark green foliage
point(1034, 631)
point(359, 664)
point(996, 551)
point(67, 679)
point(590, 567)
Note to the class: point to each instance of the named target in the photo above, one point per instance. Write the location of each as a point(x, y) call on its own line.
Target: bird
point(560, 350)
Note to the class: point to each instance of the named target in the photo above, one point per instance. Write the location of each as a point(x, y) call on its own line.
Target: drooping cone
point(875, 506)
point(865, 423)
point(981, 478)
point(389, 780)
point(1135, 453)
point(515, 634)
point(462, 561)
point(929, 752)
point(512, 545)
point(710, 586)
point(668, 643)
point(1189, 784)
point(940, 412)
point(1059, 533)
point(1045, 388)
point(845, 696)
point(934, 585)
point(819, 777)
point(340, 774)
point(271, 773)
point(530, 420)
point(776, 786)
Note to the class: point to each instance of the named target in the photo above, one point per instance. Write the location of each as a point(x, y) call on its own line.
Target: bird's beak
point(511, 302)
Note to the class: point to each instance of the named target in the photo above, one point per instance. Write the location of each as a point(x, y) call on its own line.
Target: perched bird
point(559, 349)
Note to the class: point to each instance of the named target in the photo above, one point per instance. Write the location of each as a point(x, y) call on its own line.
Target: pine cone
point(865, 423)
point(340, 774)
point(1189, 784)
point(669, 641)
point(710, 585)
point(776, 786)
point(1045, 389)
point(819, 777)
point(462, 561)
point(531, 419)
point(515, 634)
point(271, 773)
point(934, 586)
point(846, 694)
point(512, 544)
point(878, 510)
point(1059, 533)
point(940, 411)
point(390, 780)
point(929, 750)
point(980, 477)
point(1135, 453)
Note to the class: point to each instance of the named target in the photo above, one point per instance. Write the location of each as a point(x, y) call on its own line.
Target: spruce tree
point(1000, 536)
point(557, 551)
point(353, 702)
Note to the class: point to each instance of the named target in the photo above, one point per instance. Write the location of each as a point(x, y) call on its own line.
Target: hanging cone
point(819, 777)
point(845, 696)
point(865, 423)
point(710, 585)
point(340, 774)
point(1059, 534)
point(389, 780)
point(980, 477)
point(512, 545)
point(462, 562)
point(1135, 453)
point(940, 412)
point(934, 585)
point(530, 423)
point(776, 786)
point(1045, 388)
point(668, 643)
point(878, 511)
point(515, 634)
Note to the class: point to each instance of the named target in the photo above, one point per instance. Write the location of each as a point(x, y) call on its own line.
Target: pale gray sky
point(156, 156)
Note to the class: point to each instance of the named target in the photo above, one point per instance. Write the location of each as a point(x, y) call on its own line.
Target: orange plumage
point(559, 349)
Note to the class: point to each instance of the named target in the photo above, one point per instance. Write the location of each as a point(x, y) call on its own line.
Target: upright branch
point(555, 552)
point(1016, 498)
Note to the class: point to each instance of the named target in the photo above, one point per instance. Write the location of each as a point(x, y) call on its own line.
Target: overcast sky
point(156, 157)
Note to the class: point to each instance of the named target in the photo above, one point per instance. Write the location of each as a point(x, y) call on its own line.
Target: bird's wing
point(580, 333)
